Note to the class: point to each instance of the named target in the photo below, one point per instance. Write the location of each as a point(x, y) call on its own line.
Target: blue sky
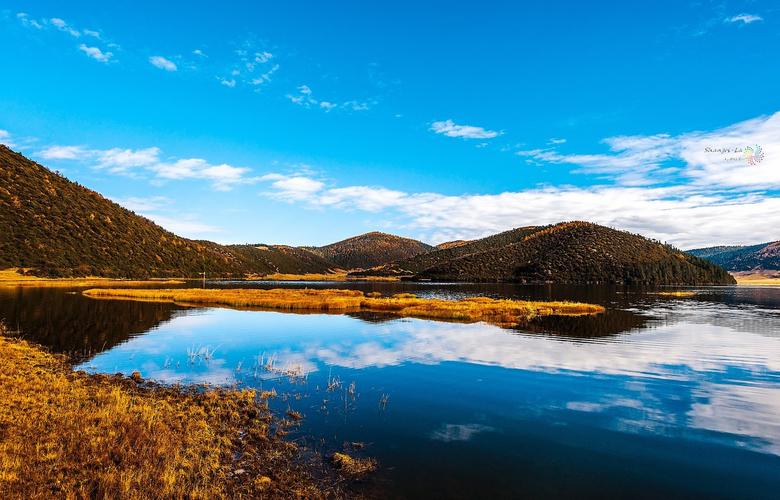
point(309, 122)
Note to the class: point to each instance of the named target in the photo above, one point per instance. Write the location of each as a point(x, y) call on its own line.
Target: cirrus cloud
point(162, 63)
point(451, 129)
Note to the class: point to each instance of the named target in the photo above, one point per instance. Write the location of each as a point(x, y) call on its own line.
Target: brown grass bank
point(500, 312)
point(66, 434)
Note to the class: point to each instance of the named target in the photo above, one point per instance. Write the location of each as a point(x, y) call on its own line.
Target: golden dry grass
point(66, 434)
point(320, 277)
point(10, 277)
point(679, 293)
point(758, 278)
point(353, 466)
point(500, 312)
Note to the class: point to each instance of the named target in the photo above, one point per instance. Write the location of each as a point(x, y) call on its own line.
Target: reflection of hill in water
point(70, 323)
point(606, 324)
point(611, 322)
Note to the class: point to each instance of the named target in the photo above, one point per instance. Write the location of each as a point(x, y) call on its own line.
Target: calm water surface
point(659, 397)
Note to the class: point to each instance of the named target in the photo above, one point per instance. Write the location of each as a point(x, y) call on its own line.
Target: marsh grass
point(495, 311)
point(678, 294)
point(66, 434)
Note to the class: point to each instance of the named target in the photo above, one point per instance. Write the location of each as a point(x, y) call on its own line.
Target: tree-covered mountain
point(372, 249)
point(59, 228)
point(581, 252)
point(742, 258)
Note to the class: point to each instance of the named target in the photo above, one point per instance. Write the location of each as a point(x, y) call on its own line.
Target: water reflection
point(660, 396)
point(66, 322)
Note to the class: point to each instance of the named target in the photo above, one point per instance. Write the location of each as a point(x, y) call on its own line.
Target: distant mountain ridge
point(742, 258)
point(569, 252)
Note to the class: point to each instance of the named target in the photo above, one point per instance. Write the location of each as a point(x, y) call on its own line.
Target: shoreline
point(71, 433)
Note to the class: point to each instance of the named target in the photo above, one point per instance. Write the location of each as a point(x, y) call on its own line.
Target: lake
point(658, 397)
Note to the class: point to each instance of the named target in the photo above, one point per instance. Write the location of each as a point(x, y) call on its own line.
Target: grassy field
point(11, 277)
point(763, 278)
point(66, 434)
point(500, 312)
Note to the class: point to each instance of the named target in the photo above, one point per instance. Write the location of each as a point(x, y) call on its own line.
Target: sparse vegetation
point(500, 312)
point(67, 434)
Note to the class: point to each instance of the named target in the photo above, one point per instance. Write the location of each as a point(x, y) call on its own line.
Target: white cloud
point(556, 141)
point(95, 53)
point(28, 22)
point(144, 204)
point(263, 57)
point(223, 177)
point(5, 138)
point(709, 202)
point(744, 19)
point(65, 27)
point(227, 82)
point(265, 77)
point(305, 98)
point(118, 160)
point(162, 63)
point(691, 157)
point(124, 161)
point(62, 152)
point(183, 225)
point(92, 33)
point(451, 129)
point(292, 188)
point(199, 53)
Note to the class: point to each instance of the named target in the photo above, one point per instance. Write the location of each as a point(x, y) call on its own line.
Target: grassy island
point(500, 312)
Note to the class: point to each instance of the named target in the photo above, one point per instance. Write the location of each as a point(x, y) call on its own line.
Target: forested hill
point(580, 252)
point(372, 249)
point(59, 228)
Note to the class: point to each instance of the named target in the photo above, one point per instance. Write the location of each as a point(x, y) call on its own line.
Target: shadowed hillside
point(59, 228)
point(372, 249)
point(577, 252)
point(742, 258)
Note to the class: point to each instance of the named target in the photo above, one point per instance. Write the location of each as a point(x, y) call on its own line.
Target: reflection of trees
point(71, 323)
point(605, 324)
